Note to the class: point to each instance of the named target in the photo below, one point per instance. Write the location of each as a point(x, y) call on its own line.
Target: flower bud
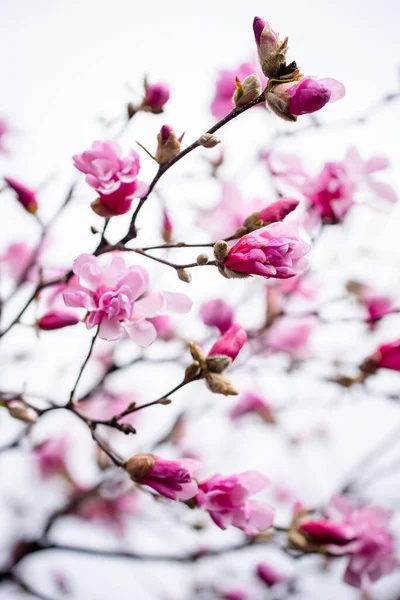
point(22, 412)
point(248, 90)
point(169, 145)
point(25, 195)
point(230, 343)
point(276, 211)
point(208, 140)
point(192, 371)
point(219, 384)
point(157, 95)
point(271, 50)
point(164, 401)
point(139, 465)
point(202, 259)
point(184, 275)
point(218, 363)
point(166, 227)
point(57, 319)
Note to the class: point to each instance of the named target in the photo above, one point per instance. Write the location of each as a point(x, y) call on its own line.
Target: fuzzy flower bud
point(169, 145)
point(22, 412)
point(57, 319)
point(208, 140)
point(25, 195)
point(219, 384)
point(248, 90)
point(157, 95)
point(271, 50)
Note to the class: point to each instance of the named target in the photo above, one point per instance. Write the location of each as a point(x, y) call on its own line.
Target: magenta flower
point(217, 313)
point(387, 356)
point(231, 343)
point(16, 260)
point(25, 195)
point(332, 193)
point(222, 103)
point(170, 478)
point(268, 574)
point(252, 404)
point(113, 177)
point(110, 296)
point(278, 210)
point(57, 319)
point(361, 532)
point(227, 499)
point(291, 335)
point(377, 305)
point(157, 95)
point(272, 251)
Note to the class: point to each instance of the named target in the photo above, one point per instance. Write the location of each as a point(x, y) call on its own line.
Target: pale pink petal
point(383, 190)
point(89, 271)
point(261, 517)
point(376, 163)
point(141, 189)
point(150, 306)
point(114, 271)
point(175, 302)
point(143, 333)
point(335, 87)
point(110, 329)
point(76, 299)
point(253, 481)
point(137, 279)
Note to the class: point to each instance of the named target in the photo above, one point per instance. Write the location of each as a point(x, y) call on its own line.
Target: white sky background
point(66, 63)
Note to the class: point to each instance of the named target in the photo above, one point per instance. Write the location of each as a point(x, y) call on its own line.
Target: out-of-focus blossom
point(166, 227)
point(361, 173)
point(217, 313)
point(114, 177)
point(376, 304)
point(268, 574)
point(165, 327)
point(222, 103)
point(291, 335)
point(168, 146)
point(170, 478)
point(57, 319)
point(16, 260)
point(110, 296)
point(273, 251)
point(387, 356)
point(285, 168)
point(157, 95)
point(106, 406)
point(112, 512)
point(51, 456)
point(253, 404)
point(278, 210)
point(227, 499)
point(295, 98)
point(229, 214)
point(25, 195)
point(359, 531)
point(4, 131)
point(231, 343)
point(233, 594)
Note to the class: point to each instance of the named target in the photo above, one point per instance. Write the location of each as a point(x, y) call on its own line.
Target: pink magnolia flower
point(285, 168)
point(387, 356)
point(222, 103)
point(291, 335)
point(250, 403)
point(272, 251)
point(157, 95)
point(16, 260)
point(110, 296)
point(51, 456)
point(231, 343)
point(227, 499)
point(229, 214)
point(113, 177)
point(170, 478)
point(268, 574)
point(217, 313)
point(361, 532)
point(112, 512)
point(25, 195)
point(165, 327)
point(57, 319)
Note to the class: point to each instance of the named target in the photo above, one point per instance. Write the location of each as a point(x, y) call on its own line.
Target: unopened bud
point(22, 412)
point(164, 401)
point(184, 275)
point(278, 101)
point(139, 465)
point(248, 90)
point(169, 145)
point(196, 352)
point(219, 384)
point(192, 371)
point(202, 259)
point(221, 250)
point(208, 140)
point(217, 363)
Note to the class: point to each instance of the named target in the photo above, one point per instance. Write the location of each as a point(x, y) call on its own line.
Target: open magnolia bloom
point(111, 297)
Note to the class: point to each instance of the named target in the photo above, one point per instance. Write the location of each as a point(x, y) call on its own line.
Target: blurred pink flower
point(272, 251)
point(310, 94)
point(227, 499)
point(250, 403)
point(15, 261)
point(57, 319)
point(4, 131)
point(112, 512)
point(278, 210)
point(113, 177)
point(269, 575)
point(291, 335)
point(217, 313)
point(51, 455)
point(387, 356)
point(231, 343)
point(25, 195)
point(157, 95)
point(222, 103)
point(110, 295)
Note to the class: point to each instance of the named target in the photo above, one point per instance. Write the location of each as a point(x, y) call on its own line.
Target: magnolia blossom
point(272, 251)
point(231, 343)
point(217, 313)
point(16, 261)
point(157, 95)
point(362, 532)
point(110, 296)
point(291, 335)
point(25, 195)
point(114, 177)
point(252, 404)
point(227, 499)
point(222, 103)
point(387, 356)
point(170, 478)
point(57, 319)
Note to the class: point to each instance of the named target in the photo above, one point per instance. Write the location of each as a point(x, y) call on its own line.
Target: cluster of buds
point(289, 94)
point(212, 367)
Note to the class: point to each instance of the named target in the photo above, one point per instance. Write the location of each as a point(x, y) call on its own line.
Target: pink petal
point(76, 299)
point(110, 329)
point(335, 87)
point(142, 333)
point(178, 303)
point(376, 163)
point(149, 306)
point(383, 190)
